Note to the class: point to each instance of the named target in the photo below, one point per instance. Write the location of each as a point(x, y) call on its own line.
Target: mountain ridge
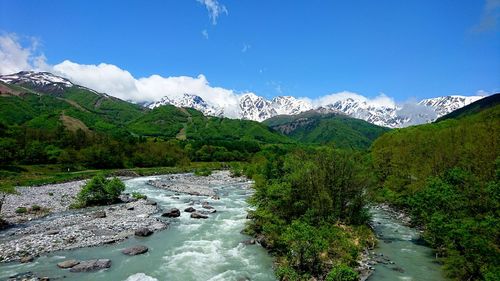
point(257, 108)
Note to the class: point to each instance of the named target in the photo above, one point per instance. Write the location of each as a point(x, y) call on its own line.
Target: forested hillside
point(334, 129)
point(77, 127)
point(447, 175)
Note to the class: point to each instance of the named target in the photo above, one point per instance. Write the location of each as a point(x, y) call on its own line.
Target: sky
point(386, 51)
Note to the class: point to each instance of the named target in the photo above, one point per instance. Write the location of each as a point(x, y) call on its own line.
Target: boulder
point(126, 198)
point(135, 250)
point(215, 197)
point(130, 208)
point(205, 205)
point(196, 215)
point(249, 242)
point(91, 265)
point(190, 209)
point(68, 263)
point(99, 214)
point(143, 232)
point(150, 202)
point(172, 213)
point(26, 259)
point(52, 232)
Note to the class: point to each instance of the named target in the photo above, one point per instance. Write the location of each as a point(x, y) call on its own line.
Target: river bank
point(190, 249)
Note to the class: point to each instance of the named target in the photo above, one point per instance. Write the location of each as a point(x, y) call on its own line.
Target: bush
point(342, 272)
point(137, 195)
point(100, 191)
point(203, 172)
point(35, 208)
point(21, 210)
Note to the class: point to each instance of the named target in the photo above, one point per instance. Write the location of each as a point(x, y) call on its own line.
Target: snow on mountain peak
point(447, 104)
point(190, 101)
point(41, 81)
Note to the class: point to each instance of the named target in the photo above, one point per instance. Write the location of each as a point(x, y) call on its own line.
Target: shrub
point(203, 172)
point(137, 195)
point(21, 210)
point(342, 272)
point(35, 208)
point(100, 191)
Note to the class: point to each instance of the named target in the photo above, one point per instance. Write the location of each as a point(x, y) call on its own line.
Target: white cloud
point(110, 79)
point(14, 57)
point(214, 8)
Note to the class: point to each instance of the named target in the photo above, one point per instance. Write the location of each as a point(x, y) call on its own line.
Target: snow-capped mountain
point(445, 105)
point(252, 107)
point(44, 82)
point(191, 101)
point(289, 105)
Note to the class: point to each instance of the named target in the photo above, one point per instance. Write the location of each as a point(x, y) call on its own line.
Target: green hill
point(447, 175)
point(331, 128)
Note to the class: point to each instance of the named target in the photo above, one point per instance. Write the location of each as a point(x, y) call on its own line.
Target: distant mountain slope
point(322, 128)
point(473, 108)
point(45, 101)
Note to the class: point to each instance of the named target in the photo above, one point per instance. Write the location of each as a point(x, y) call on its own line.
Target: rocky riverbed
point(203, 240)
point(48, 225)
point(195, 185)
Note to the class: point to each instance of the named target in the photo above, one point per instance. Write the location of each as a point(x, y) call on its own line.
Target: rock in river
point(143, 231)
point(68, 263)
point(198, 216)
point(135, 250)
point(91, 265)
point(172, 213)
point(190, 209)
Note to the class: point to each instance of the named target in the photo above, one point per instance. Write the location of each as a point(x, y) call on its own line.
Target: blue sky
point(405, 49)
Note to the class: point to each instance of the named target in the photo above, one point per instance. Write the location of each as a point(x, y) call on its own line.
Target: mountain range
point(257, 108)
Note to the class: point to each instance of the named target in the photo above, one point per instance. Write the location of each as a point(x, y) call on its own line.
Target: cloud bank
point(118, 82)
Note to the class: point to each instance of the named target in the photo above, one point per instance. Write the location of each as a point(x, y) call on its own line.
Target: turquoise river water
point(211, 249)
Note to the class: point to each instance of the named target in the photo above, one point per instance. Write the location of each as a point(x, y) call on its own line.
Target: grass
point(35, 175)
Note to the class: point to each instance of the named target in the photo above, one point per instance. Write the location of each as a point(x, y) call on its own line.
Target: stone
point(215, 197)
point(196, 215)
point(135, 250)
point(130, 208)
point(52, 232)
point(190, 209)
point(151, 202)
point(205, 205)
point(249, 242)
point(172, 213)
point(398, 269)
point(68, 263)
point(26, 259)
point(143, 232)
point(99, 214)
point(91, 265)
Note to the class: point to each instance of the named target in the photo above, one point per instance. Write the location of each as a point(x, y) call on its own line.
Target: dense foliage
point(310, 209)
point(100, 191)
point(338, 130)
point(447, 175)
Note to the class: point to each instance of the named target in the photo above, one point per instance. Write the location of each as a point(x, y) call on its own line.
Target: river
point(190, 249)
point(401, 252)
point(211, 249)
